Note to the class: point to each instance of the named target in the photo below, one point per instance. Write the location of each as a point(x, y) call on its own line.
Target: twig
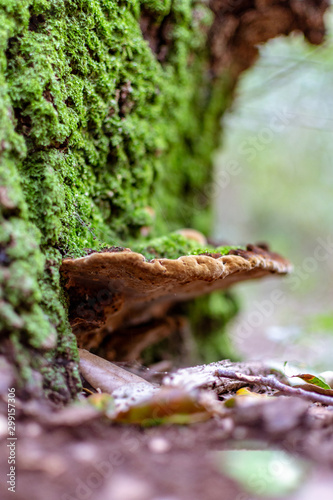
point(272, 382)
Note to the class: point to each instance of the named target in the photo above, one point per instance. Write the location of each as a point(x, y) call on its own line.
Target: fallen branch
point(272, 382)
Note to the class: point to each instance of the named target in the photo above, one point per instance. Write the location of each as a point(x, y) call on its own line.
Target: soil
point(71, 454)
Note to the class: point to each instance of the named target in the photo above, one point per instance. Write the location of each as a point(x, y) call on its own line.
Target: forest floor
point(76, 453)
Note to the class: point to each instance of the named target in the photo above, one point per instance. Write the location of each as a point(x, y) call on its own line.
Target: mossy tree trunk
point(109, 111)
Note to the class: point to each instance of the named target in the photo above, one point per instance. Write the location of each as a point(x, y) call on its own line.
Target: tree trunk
point(110, 112)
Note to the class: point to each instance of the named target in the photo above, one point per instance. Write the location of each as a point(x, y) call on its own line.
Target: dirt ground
point(76, 454)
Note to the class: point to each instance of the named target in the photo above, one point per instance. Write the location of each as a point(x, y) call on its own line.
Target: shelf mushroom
point(121, 299)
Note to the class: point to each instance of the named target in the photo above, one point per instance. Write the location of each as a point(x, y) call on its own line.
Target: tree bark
point(110, 112)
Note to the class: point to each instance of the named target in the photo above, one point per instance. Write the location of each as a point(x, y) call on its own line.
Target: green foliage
point(321, 323)
point(263, 473)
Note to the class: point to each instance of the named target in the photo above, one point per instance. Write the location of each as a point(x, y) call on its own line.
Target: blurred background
point(274, 184)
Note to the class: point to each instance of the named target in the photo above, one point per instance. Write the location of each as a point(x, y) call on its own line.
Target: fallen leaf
point(169, 405)
point(102, 402)
point(313, 379)
point(244, 396)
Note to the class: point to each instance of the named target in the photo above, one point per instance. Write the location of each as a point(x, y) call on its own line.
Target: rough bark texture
point(108, 108)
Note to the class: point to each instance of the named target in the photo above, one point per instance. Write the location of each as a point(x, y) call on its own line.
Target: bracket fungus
point(119, 300)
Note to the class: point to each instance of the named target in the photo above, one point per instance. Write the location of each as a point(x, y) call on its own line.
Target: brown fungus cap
point(115, 293)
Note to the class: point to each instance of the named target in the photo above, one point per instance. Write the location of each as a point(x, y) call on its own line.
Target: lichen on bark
point(107, 109)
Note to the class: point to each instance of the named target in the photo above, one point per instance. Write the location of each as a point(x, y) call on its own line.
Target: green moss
point(209, 316)
point(94, 128)
point(89, 95)
point(176, 245)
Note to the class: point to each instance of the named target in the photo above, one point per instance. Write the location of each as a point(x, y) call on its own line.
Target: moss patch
point(91, 117)
point(176, 245)
point(99, 115)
